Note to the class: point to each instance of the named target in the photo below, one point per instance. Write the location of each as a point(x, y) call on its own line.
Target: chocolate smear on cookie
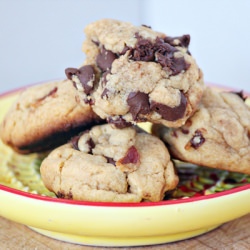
point(170, 113)
point(138, 103)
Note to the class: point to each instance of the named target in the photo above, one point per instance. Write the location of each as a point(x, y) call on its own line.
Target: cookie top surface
point(140, 74)
point(110, 164)
point(217, 135)
point(44, 116)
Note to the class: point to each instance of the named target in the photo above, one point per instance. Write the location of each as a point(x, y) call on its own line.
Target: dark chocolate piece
point(105, 59)
point(138, 104)
point(70, 72)
point(168, 113)
point(197, 140)
point(161, 52)
point(119, 122)
point(111, 161)
point(240, 94)
point(184, 40)
point(143, 51)
point(132, 156)
point(85, 74)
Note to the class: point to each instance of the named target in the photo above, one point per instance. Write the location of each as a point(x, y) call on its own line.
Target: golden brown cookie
point(111, 165)
point(45, 116)
point(134, 74)
point(217, 135)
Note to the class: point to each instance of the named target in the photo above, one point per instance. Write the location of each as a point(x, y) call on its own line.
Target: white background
point(40, 38)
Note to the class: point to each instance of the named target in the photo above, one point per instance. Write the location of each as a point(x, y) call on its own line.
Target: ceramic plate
point(199, 205)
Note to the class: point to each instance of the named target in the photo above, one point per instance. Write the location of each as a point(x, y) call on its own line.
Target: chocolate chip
point(111, 160)
point(119, 122)
point(105, 59)
point(70, 72)
point(178, 65)
point(62, 195)
point(161, 51)
point(240, 94)
point(143, 51)
point(138, 104)
point(132, 156)
point(197, 140)
point(183, 41)
point(170, 113)
point(85, 74)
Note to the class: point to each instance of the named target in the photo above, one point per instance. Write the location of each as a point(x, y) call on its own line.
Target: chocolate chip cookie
point(44, 116)
point(134, 74)
point(110, 164)
point(216, 136)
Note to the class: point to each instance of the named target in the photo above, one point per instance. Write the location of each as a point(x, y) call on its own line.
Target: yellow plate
point(109, 224)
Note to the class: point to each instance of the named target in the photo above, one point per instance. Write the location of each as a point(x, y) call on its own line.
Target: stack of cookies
point(131, 75)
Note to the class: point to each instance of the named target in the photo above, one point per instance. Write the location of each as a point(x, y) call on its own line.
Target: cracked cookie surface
point(44, 116)
point(111, 165)
point(139, 74)
point(217, 135)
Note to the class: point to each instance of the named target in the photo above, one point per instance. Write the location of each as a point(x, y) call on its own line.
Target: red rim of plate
point(121, 204)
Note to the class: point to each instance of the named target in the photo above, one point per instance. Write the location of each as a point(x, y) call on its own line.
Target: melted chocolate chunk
point(178, 65)
point(138, 104)
point(105, 59)
point(169, 113)
point(119, 122)
point(69, 72)
point(132, 156)
point(161, 51)
point(197, 140)
point(85, 75)
point(183, 40)
point(143, 51)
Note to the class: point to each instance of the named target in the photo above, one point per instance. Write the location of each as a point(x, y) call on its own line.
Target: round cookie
point(138, 74)
point(216, 136)
point(110, 165)
point(45, 116)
